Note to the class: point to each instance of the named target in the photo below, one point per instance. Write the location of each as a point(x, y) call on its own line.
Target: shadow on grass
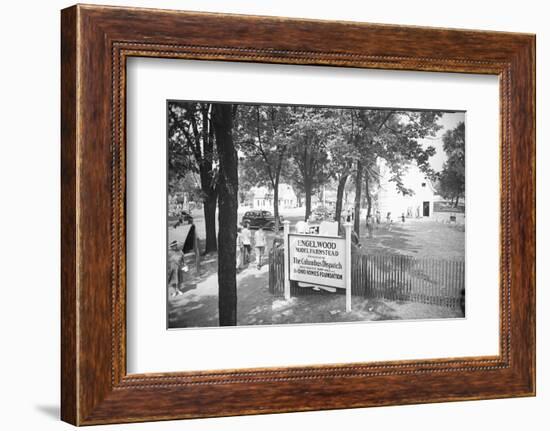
point(389, 241)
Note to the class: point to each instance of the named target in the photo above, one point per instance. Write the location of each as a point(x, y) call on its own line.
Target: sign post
point(318, 260)
point(347, 227)
point(286, 231)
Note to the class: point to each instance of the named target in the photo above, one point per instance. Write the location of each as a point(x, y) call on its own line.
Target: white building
point(418, 204)
point(262, 197)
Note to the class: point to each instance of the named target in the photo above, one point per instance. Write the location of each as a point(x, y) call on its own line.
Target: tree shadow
point(389, 241)
point(193, 314)
point(200, 308)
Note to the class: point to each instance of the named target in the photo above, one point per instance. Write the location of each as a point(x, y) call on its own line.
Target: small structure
point(418, 204)
point(326, 197)
point(318, 260)
point(262, 197)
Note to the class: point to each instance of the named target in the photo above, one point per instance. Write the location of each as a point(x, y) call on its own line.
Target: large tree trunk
point(306, 168)
point(228, 189)
point(307, 190)
point(206, 168)
point(276, 204)
point(210, 221)
point(299, 198)
point(339, 199)
point(357, 212)
point(367, 195)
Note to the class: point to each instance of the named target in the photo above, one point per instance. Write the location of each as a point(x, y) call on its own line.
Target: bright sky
point(449, 121)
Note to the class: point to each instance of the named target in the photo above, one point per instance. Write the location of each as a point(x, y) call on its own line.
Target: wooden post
point(197, 251)
point(347, 227)
point(286, 231)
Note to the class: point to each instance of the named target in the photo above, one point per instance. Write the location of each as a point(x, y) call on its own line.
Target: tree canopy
point(452, 178)
point(191, 149)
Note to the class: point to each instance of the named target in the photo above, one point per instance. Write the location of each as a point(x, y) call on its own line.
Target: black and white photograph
point(275, 215)
point(298, 214)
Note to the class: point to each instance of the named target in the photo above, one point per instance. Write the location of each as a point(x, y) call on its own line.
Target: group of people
point(244, 246)
point(246, 240)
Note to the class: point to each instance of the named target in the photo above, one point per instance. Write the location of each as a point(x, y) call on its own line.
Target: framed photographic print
point(265, 215)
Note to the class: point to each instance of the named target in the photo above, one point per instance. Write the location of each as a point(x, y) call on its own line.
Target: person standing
point(239, 251)
point(259, 244)
point(349, 217)
point(302, 226)
point(176, 261)
point(245, 239)
point(370, 225)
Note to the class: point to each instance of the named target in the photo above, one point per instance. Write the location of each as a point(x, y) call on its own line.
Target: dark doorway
point(426, 209)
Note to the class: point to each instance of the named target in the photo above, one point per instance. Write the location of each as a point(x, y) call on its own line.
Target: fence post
point(347, 227)
point(286, 231)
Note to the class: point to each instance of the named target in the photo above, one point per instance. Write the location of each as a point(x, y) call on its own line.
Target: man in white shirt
point(259, 244)
point(245, 239)
point(302, 226)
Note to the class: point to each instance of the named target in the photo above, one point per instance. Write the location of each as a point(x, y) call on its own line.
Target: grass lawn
point(419, 238)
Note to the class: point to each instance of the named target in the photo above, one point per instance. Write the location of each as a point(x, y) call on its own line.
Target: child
point(259, 244)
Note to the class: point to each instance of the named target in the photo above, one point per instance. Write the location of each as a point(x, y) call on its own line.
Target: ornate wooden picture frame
point(96, 41)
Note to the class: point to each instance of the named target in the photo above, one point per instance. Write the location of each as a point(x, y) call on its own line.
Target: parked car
point(258, 218)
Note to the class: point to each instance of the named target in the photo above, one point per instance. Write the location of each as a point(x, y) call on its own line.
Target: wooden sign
point(317, 260)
